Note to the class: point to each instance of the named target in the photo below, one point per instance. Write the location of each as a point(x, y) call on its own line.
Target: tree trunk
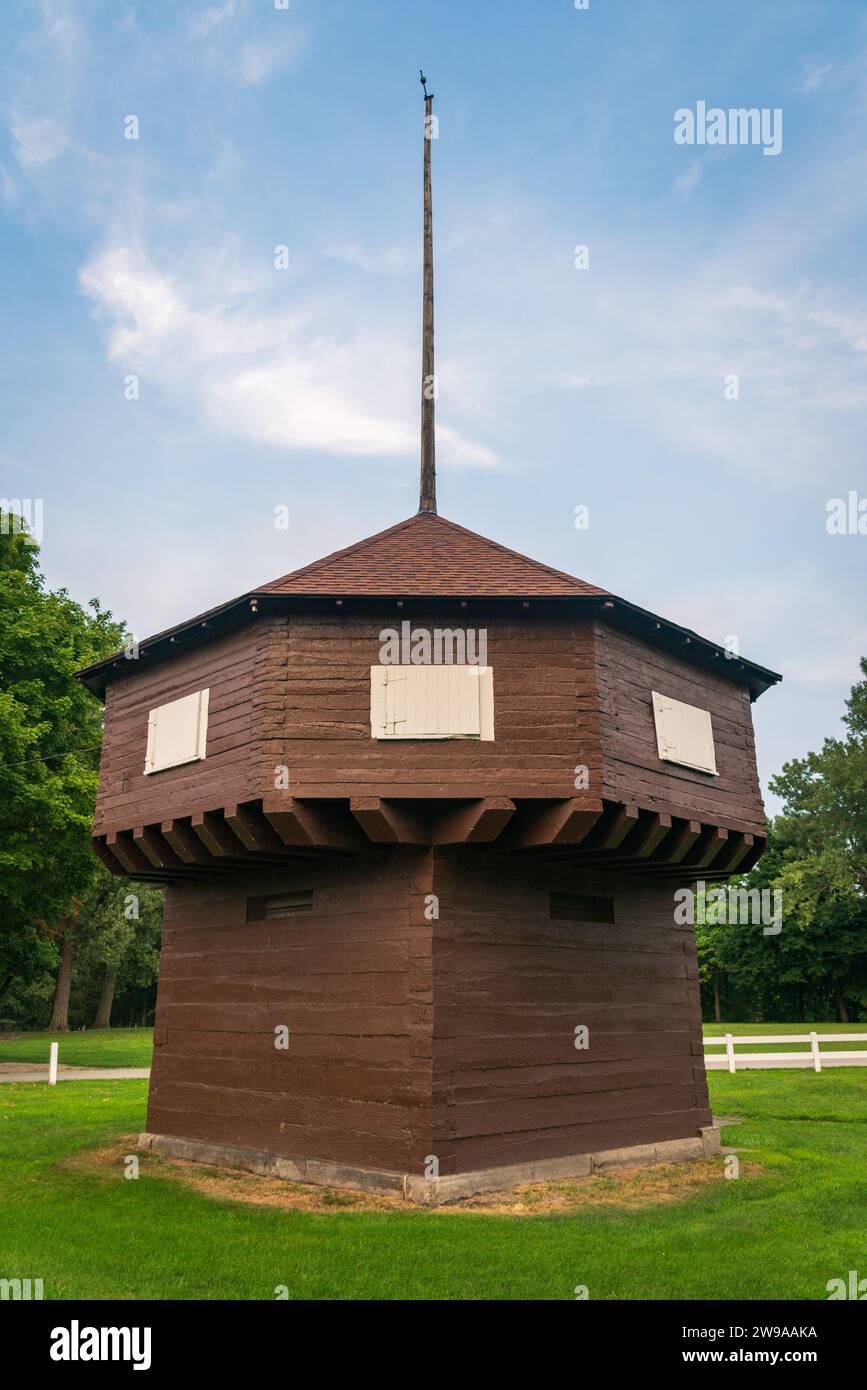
point(60, 1012)
point(717, 1013)
point(106, 998)
point(841, 1003)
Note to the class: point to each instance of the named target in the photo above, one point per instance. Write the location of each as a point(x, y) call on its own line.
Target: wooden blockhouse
point(420, 809)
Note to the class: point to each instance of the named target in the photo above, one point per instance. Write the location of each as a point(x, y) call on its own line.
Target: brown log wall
point(351, 982)
point(295, 691)
point(627, 671)
point(233, 669)
point(410, 1037)
point(510, 987)
point(319, 719)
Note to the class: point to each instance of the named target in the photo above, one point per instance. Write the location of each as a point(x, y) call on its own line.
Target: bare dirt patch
point(628, 1188)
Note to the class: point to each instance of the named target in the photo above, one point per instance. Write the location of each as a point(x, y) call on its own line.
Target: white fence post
point(814, 1048)
point(730, 1051)
point(52, 1065)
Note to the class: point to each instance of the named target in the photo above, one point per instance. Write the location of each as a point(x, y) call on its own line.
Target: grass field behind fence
point(756, 1030)
point(101, 1047)
point(781, 1232)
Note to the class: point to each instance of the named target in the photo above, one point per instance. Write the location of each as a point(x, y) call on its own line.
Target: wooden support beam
point(310, 824)
point(253, 830)
point(668, 858)
point(560, 823)
point(647, 838)
point(216, 836)
point(388, 822)
point(473, 822)
point(111, 861)
point(753, 855)
point(680, 843)
point(155, 849)
point(128, 854)
point(186, 844)
point(709, 844)
point(612, 828)
point(733, 856)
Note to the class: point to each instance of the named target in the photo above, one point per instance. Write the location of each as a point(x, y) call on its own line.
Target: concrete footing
point(432, 1192)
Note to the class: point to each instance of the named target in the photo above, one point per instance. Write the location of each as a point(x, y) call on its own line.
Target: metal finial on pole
point(428, 489)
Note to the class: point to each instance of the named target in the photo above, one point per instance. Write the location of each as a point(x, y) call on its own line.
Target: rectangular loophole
point(276, 905)
point(581, 907)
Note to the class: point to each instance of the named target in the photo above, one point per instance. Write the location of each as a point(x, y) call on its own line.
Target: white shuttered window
point(684, 734)
point(432, 702)
point(177, 732)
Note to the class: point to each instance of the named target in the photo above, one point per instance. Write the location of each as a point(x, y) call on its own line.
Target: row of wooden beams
point(209, 842)
point(654, 844)
point(283, 829)
point(548, 823)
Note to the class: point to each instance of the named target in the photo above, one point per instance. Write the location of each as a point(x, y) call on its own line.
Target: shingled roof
point(428, 556)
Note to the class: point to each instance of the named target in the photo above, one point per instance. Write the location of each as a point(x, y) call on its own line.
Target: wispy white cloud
point(204, 21)
point(241, 52)
point(261, 59)
point(379, 260)
point(691, 178)
point(36, 140)
point(815, 74)
point(300, 378)
point(39, 103)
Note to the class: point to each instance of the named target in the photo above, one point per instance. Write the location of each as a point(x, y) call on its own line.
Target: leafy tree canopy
point(50, 732)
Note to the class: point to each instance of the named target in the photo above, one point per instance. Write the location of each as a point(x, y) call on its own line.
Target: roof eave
point(227, 617)
point(689, 645)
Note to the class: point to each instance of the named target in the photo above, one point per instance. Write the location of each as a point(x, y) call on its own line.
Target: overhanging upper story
point(427, 686)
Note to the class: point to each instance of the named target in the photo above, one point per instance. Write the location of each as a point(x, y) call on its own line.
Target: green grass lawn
point(780, 1233)
point(756, 1030)
point(102, 1047)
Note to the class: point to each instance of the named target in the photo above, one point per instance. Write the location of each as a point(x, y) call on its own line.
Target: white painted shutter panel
point(177, 732)
point(684, 734)
point(442, 702)
point(431, 702)
point(396, 701)
point(377, 702)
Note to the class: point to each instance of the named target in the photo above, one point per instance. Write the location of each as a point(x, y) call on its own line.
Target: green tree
point(50, 732)
point(122, 925)
point(825, 794)
point(822, 856)
point(816, 858)
point(711, 970)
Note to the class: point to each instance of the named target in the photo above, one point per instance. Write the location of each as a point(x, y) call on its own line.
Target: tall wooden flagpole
point(428, 489)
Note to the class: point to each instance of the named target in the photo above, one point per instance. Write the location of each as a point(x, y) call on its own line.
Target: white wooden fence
point(762, 1060)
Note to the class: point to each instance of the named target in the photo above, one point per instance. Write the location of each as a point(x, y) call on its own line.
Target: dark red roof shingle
point(429, 556)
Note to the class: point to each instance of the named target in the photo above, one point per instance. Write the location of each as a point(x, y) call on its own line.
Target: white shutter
point(377, 702)
point(432, 702)
point(684, 734)
point(177, 732)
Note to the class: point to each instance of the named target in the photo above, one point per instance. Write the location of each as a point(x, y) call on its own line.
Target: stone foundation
point(433, 1192)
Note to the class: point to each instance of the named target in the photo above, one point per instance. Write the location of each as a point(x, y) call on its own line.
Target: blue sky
point(603, 387)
